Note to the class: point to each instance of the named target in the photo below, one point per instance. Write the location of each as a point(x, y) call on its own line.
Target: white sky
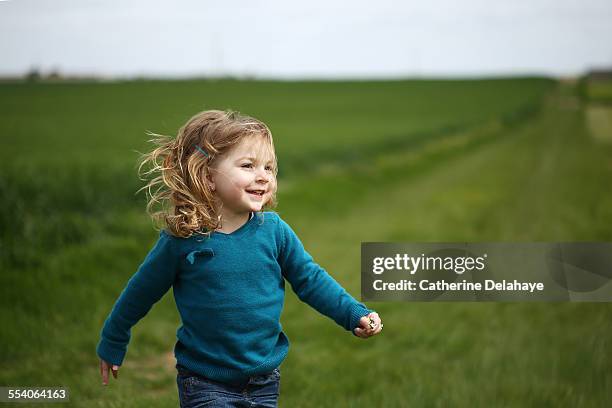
point(312, 39)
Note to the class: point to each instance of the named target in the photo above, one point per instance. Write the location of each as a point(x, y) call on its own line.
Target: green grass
point(103, 122)
point(493, 161)
point(599, 91)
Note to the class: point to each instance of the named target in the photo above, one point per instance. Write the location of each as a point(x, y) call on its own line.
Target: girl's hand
point(369, 325)
point(104, 367)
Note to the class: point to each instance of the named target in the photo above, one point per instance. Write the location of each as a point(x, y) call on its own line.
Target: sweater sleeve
point(151, 281)
point(314, 286)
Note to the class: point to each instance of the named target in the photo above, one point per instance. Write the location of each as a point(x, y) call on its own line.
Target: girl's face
point(243, 178)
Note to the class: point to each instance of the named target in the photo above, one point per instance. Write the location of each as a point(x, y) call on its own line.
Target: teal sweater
point(229, 290)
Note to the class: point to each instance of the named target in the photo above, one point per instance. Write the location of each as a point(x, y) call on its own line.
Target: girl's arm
point(150, 282)
point(314, 285)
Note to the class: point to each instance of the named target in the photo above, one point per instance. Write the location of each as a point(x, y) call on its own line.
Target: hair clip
point(203, 152)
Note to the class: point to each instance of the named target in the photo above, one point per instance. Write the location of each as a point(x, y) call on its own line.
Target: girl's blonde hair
point(188, 206)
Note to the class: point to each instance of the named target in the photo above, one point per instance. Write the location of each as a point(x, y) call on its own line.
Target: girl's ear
point(210, 181)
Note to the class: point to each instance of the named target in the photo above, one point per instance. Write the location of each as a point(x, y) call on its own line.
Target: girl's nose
point(262, 175)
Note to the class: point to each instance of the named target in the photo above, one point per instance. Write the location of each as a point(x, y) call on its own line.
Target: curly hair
point(179, 170)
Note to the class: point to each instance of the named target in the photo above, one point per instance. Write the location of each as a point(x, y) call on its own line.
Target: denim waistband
point(182, 370)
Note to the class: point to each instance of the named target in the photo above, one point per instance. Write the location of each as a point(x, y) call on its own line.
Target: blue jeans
point(197, 391)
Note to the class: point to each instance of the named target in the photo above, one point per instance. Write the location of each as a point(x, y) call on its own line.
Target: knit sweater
point(229, 290)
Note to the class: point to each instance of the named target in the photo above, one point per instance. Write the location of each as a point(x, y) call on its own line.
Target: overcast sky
point(312, 39)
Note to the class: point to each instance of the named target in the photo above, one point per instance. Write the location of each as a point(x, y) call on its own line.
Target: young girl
point(226, 260)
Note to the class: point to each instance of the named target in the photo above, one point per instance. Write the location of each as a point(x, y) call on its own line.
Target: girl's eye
point(249, 165)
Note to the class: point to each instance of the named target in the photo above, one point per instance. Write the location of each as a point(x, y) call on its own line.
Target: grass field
point(597, 95)
point(491, 160)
